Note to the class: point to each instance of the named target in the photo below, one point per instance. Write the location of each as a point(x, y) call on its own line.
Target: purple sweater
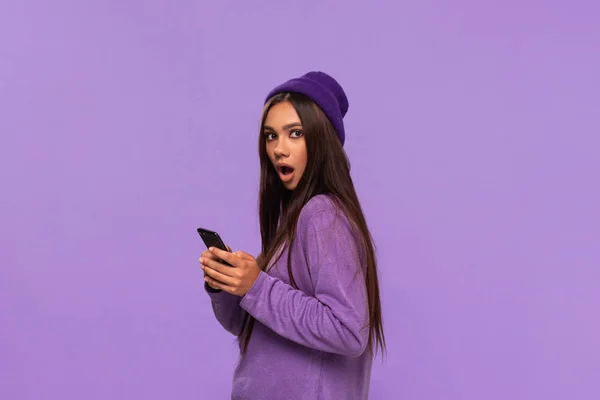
point(309, 343)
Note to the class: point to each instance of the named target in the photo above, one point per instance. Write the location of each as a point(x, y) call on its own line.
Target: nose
point(281, 149)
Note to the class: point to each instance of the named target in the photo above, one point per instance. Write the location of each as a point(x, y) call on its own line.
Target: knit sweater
point(310, 342)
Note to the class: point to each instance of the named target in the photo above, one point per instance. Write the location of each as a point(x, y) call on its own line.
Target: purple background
point(473, 131)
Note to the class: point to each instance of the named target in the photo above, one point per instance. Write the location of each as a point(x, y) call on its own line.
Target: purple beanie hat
point(325, 91)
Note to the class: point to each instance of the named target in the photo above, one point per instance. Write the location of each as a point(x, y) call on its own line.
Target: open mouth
point(285, 170)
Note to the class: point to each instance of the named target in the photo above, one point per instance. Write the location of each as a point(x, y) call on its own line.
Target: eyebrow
point(285, 127)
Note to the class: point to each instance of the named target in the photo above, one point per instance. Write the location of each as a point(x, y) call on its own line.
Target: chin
point(290, 185)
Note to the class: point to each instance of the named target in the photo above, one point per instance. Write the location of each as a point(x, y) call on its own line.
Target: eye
point(270, 135)
point(296, 133)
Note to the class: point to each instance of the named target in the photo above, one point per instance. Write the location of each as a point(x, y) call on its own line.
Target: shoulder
point(318, 204)
point(324, 228)
point(321, 211)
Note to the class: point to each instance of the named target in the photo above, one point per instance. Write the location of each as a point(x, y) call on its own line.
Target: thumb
point(228, 248)
point(244, 255)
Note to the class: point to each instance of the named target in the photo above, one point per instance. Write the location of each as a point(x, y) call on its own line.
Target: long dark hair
point(327, 172)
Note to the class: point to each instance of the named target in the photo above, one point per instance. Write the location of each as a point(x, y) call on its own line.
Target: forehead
point(281, 114)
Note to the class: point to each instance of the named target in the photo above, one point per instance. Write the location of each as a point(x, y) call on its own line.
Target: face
point(285, 143)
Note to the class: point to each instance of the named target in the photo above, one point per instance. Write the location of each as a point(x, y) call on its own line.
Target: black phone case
point(212, 239)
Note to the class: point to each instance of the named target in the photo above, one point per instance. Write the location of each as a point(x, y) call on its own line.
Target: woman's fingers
point(210, 275)
point(213, 283)
point(209, 255)
point(218, 266)
point(231, 258)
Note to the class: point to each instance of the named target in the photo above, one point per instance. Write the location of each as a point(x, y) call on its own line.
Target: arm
point(227, 310)
point(335, 320)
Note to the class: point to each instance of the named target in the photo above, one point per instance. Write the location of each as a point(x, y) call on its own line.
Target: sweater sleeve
point(227, 310)
point(335, 319)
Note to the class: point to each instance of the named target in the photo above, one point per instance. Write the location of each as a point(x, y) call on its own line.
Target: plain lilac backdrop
point(473, 132)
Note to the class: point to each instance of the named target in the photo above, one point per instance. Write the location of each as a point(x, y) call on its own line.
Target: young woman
point(307, 311)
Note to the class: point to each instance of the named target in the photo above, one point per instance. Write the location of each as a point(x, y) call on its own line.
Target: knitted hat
point(325, 91)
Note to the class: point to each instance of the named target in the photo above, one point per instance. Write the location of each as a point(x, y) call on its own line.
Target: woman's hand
point(236, 279)
point(208, 255)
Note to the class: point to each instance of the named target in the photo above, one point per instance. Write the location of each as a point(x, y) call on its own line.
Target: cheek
point(269, 151)
point(303, 162)
point(303, 154)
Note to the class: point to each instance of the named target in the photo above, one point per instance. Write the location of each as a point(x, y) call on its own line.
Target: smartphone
point(212, 239)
